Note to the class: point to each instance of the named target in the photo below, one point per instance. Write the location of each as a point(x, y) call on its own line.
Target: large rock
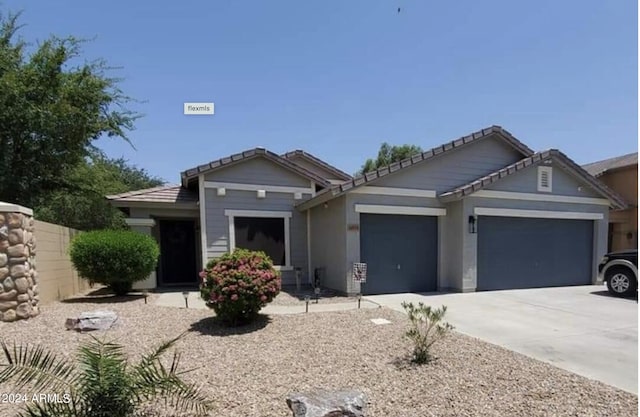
point(321, 403)
point(23, 310)
point(92, 320)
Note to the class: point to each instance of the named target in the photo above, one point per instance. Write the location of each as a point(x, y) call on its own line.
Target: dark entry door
point(401, 253)
point(178, 253)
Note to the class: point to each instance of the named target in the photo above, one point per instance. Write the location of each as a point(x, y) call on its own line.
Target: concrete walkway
point(581, 329)
point(176, 299)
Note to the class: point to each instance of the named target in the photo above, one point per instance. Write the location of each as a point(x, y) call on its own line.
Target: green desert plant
point(102, 383)
point(116, 258)
point(426, 329)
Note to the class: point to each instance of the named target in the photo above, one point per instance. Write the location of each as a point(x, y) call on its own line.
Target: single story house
point(482, 212)
point(621, 175)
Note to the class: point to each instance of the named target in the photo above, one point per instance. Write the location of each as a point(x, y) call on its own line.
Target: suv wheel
point(621, 281)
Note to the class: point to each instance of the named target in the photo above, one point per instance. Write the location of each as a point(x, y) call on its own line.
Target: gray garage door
point(528, 253)
point(401, 253)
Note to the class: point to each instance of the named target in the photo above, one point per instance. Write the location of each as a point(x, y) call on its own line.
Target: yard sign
point(359, 272)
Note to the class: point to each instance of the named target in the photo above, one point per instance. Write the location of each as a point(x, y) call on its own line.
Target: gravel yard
point(289, 296)
point(250, 371)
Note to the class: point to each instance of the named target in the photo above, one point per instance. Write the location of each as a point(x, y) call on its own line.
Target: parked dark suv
point(620, 271)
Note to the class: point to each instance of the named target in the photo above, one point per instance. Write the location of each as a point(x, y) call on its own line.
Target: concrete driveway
point(580, 329)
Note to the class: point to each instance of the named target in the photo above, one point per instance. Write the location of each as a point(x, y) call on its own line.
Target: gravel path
point(250, 371)
point(289, 296)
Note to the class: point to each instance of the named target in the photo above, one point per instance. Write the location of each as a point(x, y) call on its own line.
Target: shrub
point(426, 329)
point(237, 285)
point(101, 383)
point(116, 258)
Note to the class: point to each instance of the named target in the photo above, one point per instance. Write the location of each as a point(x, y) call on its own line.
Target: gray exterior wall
point(452, 229)
point(329, 244)
point(456, 167)
point(258, 171)
point(563, 183)
point(218, 224)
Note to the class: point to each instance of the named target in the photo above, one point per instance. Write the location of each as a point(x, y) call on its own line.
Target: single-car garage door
point(518, 252)
point(401, 253)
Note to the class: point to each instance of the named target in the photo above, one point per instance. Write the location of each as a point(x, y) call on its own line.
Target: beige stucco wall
point(624, 223)
point(57, 278)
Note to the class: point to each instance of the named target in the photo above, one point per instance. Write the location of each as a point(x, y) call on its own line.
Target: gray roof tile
point(162, 194)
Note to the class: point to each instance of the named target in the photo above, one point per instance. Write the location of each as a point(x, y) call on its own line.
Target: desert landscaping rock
point(323, 403)
point(250, 371)
point(92, 320)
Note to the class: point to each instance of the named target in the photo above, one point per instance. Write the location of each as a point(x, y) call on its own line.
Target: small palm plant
point(102, 383)
point(426, 329)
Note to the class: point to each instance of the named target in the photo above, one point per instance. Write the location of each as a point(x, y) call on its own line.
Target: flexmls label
point(198, 108)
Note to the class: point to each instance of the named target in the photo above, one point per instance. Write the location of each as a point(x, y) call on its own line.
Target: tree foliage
point(389, 154)
point(53, 107)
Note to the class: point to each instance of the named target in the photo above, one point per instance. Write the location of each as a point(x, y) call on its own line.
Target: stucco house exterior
point(621, 175)
point(481, 212)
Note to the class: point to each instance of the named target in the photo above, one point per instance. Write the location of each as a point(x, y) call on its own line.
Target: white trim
point(286, 215)
point(140, 222)
point(541, 214)
point(257, 187)
point(509, 195)
point(8, 207)
point(309, 271)
point(203, 220)
point(409, 210)
point(313, 189)
point(257, 213)
point(549, 171)
point(404, 192)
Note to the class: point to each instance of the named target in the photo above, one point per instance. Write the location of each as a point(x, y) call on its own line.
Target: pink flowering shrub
point(237, 285)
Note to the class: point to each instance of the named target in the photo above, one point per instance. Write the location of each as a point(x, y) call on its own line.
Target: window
point(545, 179)
point(267, 231)
point(262, 233)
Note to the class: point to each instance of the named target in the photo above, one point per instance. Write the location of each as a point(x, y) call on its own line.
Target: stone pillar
point(144, 226)
point(18, 277)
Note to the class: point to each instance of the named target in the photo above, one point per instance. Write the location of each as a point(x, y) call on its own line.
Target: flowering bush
point(237, 285)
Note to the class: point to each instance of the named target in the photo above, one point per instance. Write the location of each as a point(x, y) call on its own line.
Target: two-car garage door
point(401, 252)
point(516, 252)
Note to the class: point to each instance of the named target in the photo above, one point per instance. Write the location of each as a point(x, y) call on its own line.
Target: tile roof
point(252, 153)
point(338, 173)
point(162, 194)
point(601, 167)
point(535, 159)
point(336, 190)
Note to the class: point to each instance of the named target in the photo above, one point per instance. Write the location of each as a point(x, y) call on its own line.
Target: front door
point(178, 253)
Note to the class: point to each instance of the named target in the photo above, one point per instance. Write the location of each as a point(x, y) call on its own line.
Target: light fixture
point(145, 294)
point(325, 205)
point(262, 193)
point(306, 300)
point(359, 296)
point(185, 294)
point(472, 224)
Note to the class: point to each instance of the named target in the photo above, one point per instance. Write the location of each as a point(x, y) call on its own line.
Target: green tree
point(52, 109)
point(82, 205)
point(389, 154)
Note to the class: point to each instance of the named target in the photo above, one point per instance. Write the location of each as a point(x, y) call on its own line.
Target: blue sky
point(337, 78)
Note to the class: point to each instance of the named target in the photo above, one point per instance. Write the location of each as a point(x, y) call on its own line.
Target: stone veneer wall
point(18, 277)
